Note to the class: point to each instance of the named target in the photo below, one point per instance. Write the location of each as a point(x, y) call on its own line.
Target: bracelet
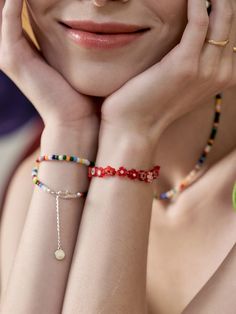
point(75, 159)
point(59, 253)
point(142, 175)
point(62, 194)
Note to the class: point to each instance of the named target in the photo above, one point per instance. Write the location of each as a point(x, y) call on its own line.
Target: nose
point(101, 3)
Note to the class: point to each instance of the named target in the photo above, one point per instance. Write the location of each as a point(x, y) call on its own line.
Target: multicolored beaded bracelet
point(193, 175)
point(59, 253)
point(62, 194)
point(55, 157)
point(141, 175)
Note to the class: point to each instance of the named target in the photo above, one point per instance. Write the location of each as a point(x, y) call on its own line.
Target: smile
point(102, 36)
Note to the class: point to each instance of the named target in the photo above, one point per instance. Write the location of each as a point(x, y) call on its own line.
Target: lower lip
point(102, 41)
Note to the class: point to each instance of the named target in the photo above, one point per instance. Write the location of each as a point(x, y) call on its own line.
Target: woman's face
point(99, 72)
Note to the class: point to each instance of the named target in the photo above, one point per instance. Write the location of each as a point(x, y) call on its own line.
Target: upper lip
point(108, 27)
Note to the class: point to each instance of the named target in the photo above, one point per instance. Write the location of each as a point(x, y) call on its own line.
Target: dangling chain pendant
point(59, 253)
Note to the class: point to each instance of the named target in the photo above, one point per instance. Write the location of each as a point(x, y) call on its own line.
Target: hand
point(53, 97)
point(189, 75)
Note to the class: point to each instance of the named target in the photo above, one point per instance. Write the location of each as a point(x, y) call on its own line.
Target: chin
point(96, 80)
point(95, 86)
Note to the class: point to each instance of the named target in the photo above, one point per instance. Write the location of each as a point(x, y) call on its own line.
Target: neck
point(182, 143)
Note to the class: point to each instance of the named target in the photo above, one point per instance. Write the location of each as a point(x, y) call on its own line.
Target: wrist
point(139, 142)
point(80, 139)
point(124, 149)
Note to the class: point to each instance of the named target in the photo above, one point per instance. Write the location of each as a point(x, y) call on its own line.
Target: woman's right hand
point(52, 96)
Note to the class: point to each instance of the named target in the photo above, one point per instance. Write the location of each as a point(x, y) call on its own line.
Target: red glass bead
point(182, 186)
point(155, 172)
point(100, 171)
point(90, 172)
point(149, 177)
point(143, 175)
point(110, 171)
point(132, 174)
point(122, 172)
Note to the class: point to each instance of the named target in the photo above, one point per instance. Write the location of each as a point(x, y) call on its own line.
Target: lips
point(107, 28)
point(102, 35)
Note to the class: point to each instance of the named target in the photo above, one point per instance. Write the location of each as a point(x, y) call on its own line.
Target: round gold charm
point(60, 254)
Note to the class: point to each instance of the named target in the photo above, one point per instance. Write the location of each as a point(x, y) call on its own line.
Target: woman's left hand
point(191, 73)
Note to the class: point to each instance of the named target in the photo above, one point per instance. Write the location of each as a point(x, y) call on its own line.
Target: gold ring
point(218, 43)
point(234, 49)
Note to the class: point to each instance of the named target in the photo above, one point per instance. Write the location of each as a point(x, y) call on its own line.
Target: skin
point(167, 112)
point(165, 18)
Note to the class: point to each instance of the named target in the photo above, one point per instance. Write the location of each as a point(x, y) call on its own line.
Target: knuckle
point(201, 21)
point(187, 67)
point(188, 71)
point(207, 73)
point(224, 77)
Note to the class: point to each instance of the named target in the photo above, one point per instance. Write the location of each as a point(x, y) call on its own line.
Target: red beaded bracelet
point(141, 175)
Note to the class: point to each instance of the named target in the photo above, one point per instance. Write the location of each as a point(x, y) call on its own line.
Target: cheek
point(169, 10)
point(40, 7)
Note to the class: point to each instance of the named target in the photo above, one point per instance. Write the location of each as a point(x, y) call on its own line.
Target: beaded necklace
point(193, 175)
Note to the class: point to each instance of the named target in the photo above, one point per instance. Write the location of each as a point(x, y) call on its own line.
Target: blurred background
point(20, 126)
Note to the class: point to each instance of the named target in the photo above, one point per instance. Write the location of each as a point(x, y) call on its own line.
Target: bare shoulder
point(14, 213)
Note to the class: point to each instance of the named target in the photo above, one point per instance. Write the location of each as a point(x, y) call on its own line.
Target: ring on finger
point(222, 43)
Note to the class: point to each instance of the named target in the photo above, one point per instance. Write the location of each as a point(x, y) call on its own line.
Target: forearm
point(218, 295)
point(108, 274)
point(37, 281)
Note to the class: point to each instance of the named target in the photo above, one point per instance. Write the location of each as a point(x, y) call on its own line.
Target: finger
point(227, 59)
point(195, 33)
point(233, 40)
point(11, 21)
point(176, 64)
point(221, 17)
point(190, 46)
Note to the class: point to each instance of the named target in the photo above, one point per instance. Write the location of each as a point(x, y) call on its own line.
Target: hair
point(26, 25)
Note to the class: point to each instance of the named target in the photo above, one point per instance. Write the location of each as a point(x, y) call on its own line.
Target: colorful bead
point(142, 175)
point(110, 171)
point(59, 253)
point(45, 188)
point(132, 174)
point(122, 172)
point(67, 158)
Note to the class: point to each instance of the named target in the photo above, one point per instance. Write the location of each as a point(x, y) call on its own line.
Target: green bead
point(71, 158)
point(64, 157)
point(234, 196)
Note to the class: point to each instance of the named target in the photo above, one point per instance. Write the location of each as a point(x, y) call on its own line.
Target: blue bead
point(163, 196)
